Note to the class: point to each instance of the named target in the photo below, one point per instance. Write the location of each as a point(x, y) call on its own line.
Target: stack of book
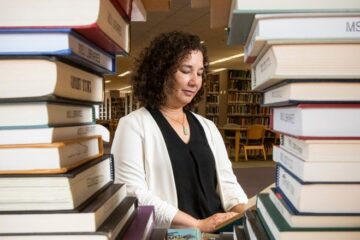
point(55, 181)
point(307, 63)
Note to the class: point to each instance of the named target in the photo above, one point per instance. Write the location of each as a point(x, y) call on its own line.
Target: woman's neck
point(172, 111)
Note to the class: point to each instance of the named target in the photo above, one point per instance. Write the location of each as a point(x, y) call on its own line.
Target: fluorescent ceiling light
point(124, 74)
point(107, 81)
point(226, 59)
point(124, 88)
point(218, 70)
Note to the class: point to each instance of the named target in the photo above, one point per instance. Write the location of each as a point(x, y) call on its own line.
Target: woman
point(168, 156)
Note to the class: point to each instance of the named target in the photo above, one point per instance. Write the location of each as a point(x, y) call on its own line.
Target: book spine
point(287, 120)
point(253, 46)
point(78, 84)
point(290, 162)
point(92, 54)
point(262, 69)
point(296, 147)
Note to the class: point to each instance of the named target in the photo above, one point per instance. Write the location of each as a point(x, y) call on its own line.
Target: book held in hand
point(96, 20)
point(63, 43)
point(104, 215)
point(31, 78)
point(183, 233)
point(58, 157)
point(65, 191)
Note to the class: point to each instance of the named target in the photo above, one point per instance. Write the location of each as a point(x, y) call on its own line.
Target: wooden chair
point(254, 140)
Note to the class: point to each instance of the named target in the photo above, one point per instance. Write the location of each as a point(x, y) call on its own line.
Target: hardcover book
point(141, 226)
point(242, 12)
point(319, 197)
point(58, 157)
point(296, 28)
point(318, 121)
point(305, 61)
point(44, 114)
point(184, 233)
point(66, 191)
point(277, 227)
point(292, 92)
point(323, 171)
point(253, 226)
point(46, 78)
point(105, 216)
point(96, 20)
point(52, 134)
point(298, 219)
point(322, 150)
point(63, 43)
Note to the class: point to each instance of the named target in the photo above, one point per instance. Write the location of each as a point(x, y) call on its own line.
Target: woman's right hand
point(209, 224)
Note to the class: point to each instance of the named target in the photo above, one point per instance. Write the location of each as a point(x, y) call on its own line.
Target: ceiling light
point(124, 74)
point(226, 59)
point(107, 81)
point(218, 70)
point(124, 88)
point(202, 42)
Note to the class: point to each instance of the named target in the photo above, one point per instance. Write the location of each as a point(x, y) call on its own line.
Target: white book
point(52, 134)
point(58, 42)
point(85, 220)
point(291, 92)
point(322, 171)
point(312, 220)
point(43, 78)
point(305, 61)
point(243, 11)
point(322, 150)
point(57, 157)
point(300, 28)
point(65, 191)
point(314, 197)
point(96, 20)
point(318, 121)
point(43, 114)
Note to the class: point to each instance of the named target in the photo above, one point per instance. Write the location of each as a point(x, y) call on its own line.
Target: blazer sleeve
point(129, 154)
point(229, 188)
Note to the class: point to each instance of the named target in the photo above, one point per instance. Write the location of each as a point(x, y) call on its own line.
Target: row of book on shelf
point(55, 180)
point(307, 63)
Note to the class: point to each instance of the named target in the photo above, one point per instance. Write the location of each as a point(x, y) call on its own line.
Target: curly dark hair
point(157, 64)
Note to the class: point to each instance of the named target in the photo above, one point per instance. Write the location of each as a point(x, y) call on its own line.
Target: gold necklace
point(185, 129)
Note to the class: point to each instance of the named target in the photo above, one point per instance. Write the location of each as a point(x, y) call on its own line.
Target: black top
point(193, 166)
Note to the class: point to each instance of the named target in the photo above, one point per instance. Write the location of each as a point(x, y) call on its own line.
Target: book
point(158, 234)
point(318, 197)
point(47, 78)
point(88, 219)
point(52, 134)
point(277, 227)
point(317, 121)
point(44, 114)
point(292, 92)
point(96, 20)
point(183, 233)
point(242, 12)
point(124, 7)
point(322, 150)
point(63, 43)
point(229, 223)
point(65, 191)
point(239, 233)
point(253, 226)
point(305, 61)
point(57, 157)
point(295, 28)
point(317, 171)
point(142, 224)
point(296, 219)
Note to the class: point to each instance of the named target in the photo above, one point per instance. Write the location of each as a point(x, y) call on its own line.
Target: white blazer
point(143, 164)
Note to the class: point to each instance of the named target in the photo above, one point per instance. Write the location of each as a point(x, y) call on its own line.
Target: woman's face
point(186, 81)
